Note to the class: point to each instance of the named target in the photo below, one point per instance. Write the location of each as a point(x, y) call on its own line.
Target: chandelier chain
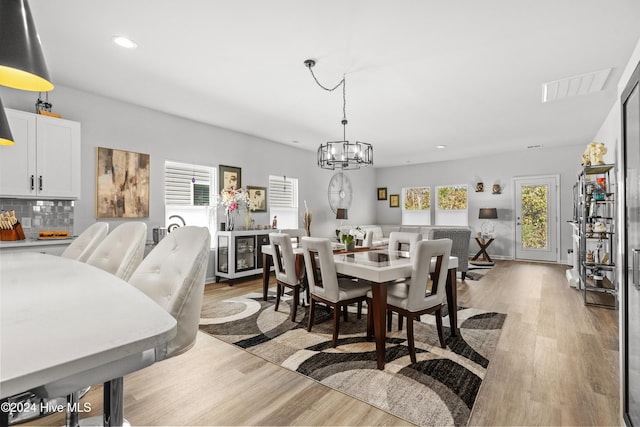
point(342, 82)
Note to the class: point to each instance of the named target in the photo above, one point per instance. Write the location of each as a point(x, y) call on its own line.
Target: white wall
point(113, 124)
point(494, 169)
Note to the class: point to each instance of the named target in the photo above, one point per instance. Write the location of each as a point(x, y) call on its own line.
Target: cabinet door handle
point(33, 182)
point(635, 274)
point(40, 183)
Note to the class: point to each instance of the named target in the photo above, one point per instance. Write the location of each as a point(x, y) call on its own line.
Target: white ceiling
point(420, 73)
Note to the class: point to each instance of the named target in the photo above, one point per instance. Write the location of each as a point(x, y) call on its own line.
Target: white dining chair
point(326, 287)
point(287, 275)
point(295, 233)
point(411, 298)
point(121, 252)
point(173, 275)
point(367, 242)
point(403, 241)
point(83, 246)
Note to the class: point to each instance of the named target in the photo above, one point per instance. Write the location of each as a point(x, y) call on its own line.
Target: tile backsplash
point(36, 215)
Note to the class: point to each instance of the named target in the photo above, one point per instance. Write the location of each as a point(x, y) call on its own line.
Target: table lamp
point(487, 228)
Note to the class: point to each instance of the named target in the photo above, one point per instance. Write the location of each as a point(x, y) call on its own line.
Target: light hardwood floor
point(556, 364)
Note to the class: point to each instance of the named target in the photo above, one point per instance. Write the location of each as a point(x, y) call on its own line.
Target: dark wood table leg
point(452, 300)
point(379, 291)
point(266, 267)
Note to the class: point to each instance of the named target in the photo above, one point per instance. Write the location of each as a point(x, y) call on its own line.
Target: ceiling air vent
point(576, 85)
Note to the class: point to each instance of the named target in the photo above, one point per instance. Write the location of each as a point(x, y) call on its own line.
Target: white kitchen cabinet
point(45, 159)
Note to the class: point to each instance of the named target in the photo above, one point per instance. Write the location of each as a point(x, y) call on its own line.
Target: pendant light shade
point(5, 131)
point(22, 64)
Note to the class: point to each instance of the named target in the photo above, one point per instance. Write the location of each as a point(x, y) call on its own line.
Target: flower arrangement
point(233, 200)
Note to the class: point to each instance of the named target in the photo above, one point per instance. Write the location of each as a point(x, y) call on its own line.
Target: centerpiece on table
point(349, 239)
point(235, 200)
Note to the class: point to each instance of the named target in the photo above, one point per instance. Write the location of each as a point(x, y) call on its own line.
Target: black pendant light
point(5, 131)
point(22, 64)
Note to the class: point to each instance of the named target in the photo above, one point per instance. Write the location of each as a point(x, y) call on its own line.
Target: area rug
point(440, 389)
point(476, 272)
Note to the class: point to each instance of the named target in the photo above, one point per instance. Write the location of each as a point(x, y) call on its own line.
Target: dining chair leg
point(336, 325)
point(400, 321)
point(278, 291)
point(312, 306)
point(345, 312)
point(411, 342)
point(369, 319)
point(296, 297)
point(439, 326)
point(359, 309)
point(389, 314)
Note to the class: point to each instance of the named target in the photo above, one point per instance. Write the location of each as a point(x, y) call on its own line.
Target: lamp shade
point(341, 213)
point(488, 213)
point(6, 138)
point(22, 64)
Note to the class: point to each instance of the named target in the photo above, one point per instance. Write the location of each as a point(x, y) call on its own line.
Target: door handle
point(33, 182)
point(40, 183)
point(635, 273)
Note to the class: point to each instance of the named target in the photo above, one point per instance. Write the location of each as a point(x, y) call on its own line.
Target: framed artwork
point(230, 177)
point(258, 195)
point(416, 198)
point(382, 193)
point(394, 200)
point(122, 184)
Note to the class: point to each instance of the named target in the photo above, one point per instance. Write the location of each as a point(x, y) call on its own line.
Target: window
point(188, 195)
point(416, 206)
point(283, 200)
point(452, 205)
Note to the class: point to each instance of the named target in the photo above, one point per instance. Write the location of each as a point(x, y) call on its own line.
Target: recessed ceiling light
point(441, 146)
point(125, 42)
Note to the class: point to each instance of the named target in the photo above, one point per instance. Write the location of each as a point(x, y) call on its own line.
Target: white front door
point(537, 220)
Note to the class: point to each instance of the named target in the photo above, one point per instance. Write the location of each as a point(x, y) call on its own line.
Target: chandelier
point(343, 154)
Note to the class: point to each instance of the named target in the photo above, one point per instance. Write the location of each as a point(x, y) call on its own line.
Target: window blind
point(179, 188)
point(283, 192)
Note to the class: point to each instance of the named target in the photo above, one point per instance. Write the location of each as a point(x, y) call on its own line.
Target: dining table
point(60, 318)
point(378, 267)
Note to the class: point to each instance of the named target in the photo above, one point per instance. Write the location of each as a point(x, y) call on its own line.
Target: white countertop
point(60, 317)
point(34, 242)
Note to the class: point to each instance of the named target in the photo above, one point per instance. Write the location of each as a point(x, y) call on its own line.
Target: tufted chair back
point(87, 242)
point(173, 275)
point(122, 250)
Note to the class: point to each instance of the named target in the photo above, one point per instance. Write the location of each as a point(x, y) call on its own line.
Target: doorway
point(537, 221)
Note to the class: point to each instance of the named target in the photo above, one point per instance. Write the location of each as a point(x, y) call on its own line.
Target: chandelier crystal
point(343, 154)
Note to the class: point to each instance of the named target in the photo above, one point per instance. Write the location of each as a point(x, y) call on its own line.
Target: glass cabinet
point(239, 253)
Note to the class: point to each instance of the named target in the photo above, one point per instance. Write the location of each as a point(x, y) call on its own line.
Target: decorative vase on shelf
point(229, 221)
point(247, 219)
